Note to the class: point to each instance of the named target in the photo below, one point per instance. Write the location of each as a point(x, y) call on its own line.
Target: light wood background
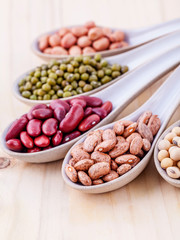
point(35, 204)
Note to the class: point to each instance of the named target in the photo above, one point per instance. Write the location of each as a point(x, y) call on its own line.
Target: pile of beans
point(169, 153)
point(68, 78)
point(44, 127)
point(108, 154)
point(81, 40)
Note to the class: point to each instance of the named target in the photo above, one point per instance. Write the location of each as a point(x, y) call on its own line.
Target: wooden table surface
point(35, 203)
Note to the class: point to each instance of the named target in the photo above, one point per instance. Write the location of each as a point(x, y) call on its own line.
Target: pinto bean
point(114, 165)
point(100, 157)
point(118, 128)
point(71, 173)
point(97, 182)
point(83, 165)
point(144, 118)
point(130, 129)
point(145, 131)
point(98, 170)
point(84, 178)
point(154, 124)
point(136, 145)
point(91, 142)
point(119, 149)
point(109, 134)
point(79, 154)
point(132, 136)
point(124, 168)
point(105, 146)
point(110, 176)
point(126, 158)
point(146, 144)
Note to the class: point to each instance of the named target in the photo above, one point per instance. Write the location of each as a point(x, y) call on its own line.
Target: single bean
point(92, 101)
point(79, 31)
point(26, 140)
point(78, 101)
point(72, 119)
point(54, 40)
point(57, 138)
point(144, 118)
point(68, 40)
point(71, 173)
point(126, 158)
point(59, 103)
point(42, 141)
point(106, 145)
point(87, 112)
point(108, 134)
point(49, 127)
point(107, 106)
point(83, 165)
point(118, 128)
point(145, 131)
point(119, 149)
point(101, 44)
point(130, 129)
point(84, 178)
point(95, 33)
point(91, 142)
point(114, 165)
point(98, 170)
point(88, 50)
point(38, 106)
point(132, 136)
point(42, 113)
point(110, 176)
point(97, 182)
point(59, 113)
point(100, 112)
point(123, 169)
point(14, 145)
point(146, 144)
point(100, 157)
point(16, 128)
point(89, 122)
point(136, 145)
point(34, 127)
point(154, 124)
point(75, 50)
point(71, 136)
point(59, 51)
point(84, 41)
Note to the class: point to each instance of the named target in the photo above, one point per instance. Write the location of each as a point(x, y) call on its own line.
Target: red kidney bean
point(42, 113)
point(24, 115)
point(49, 127)
point(92, 101)
point(107, 106)
point(14, 145)
point(59, 103)
point(57, 138)
point(26, 140)
point(71, 136)
point(72, 119)
point(78, 101)
point(34, 149)
point(38, 106)
point(59, 113)
point(17, 126)
point(87, 111)
point(34, 127)
point(89, 122)
point(100, 111)
point(42, 141)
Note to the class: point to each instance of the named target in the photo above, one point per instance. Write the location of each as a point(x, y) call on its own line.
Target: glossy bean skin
point(49, 127)
point(72, 119)
point(42, 113)
point(38, 106)
point(78, 101)
point(59, 103)
point(87, 111)
point(14, 145)
point(92, 101)
point(71, 136)
point(59, 113)
point(100, 112)
point(26, 140)
point(89, 122)
point(34, 127)
point(16, 128)
point(107, 106)
point(42, 141)
point(57, 138)
point(33, 150)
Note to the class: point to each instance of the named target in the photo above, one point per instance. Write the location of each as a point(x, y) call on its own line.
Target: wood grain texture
point(35, 204)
